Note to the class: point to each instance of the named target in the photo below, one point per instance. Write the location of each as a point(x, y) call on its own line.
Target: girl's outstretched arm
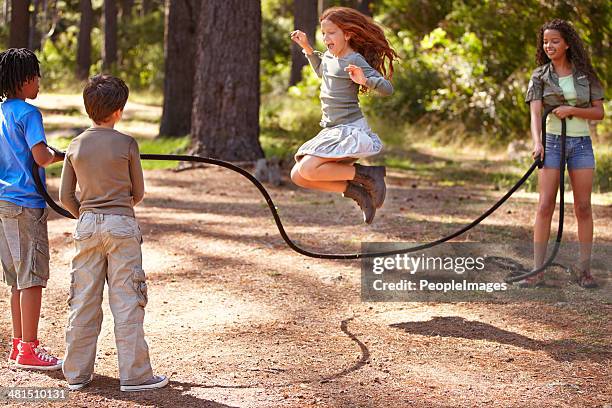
point(373, 79)
point(315, 62)
point(300, 38)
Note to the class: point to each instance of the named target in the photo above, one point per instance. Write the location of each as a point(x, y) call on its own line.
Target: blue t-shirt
point(21, 128)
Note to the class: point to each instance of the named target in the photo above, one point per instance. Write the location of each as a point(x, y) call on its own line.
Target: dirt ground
point(239, 320)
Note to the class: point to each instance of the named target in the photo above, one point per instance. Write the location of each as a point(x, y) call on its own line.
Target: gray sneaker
point(75, 387)
point(158, 381)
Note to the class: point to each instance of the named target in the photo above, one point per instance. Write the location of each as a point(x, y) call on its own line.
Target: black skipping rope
point(273, 209)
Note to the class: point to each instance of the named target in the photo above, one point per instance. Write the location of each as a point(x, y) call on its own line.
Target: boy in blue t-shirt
point(24, 245)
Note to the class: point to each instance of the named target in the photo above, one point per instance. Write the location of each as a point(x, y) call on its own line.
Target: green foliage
point(141, 44)
point(413, 16)
point(58, 60)
point(162, 145)
point(602, 182)
point(469, 61)
point(4, 36)
point(414, 80)
point(287, 121)
point(463, 70)
point(275, 53)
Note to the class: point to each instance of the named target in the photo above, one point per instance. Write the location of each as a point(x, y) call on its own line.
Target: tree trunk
point(126, 10)
point(225, 115)
point(34, 36)
point(305, 19)
point(20, 24)
point(84, 40)
point(146, 7)
point(6, 12)
point(179, 56)
point(109, 53)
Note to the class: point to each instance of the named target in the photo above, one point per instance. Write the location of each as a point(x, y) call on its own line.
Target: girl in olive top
point(565, 78)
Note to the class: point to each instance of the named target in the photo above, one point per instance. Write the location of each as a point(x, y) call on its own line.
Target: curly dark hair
point(576, 53)
point(17, 66)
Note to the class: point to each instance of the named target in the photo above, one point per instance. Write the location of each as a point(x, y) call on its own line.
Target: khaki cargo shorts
point(24, 245)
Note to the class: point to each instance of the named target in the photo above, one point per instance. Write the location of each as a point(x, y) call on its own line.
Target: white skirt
point(351, 140)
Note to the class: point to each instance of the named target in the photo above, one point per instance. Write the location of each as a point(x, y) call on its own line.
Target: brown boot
point(373, 179)
point(358, 193)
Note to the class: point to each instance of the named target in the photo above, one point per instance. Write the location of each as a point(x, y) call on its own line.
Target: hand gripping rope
point(273, 209)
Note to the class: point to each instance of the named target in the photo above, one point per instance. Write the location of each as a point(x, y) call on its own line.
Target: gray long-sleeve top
point(339, 94)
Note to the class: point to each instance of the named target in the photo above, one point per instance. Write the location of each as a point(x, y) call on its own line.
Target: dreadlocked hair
point(576, 53)
point(17, 66)
point(366, 37)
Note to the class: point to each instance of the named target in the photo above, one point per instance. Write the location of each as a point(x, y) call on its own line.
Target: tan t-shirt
point(106, 165)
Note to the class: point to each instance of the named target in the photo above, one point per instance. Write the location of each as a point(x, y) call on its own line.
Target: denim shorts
point(578, 152)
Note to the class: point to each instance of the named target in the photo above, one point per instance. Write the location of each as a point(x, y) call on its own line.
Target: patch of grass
point(142, 117)
point(278, 143)
point(453, 172)
point(162, 145)
point(153, 98)
point(602, 182)
point(399, 163)
point(286, 123)
point(68, 111)
point(151, 146)
point(61, 143)
point(54, 170)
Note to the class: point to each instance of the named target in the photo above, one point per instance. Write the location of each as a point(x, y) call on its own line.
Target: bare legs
point(25, 312)
point(323, 174)
point(548, 182)
point(363, 184)
point(582, 183)
point(16, 312)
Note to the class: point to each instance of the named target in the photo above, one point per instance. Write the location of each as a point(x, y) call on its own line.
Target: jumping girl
point(565, 78)
point(357, 53)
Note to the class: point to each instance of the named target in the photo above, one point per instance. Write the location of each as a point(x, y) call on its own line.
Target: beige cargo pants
point(107, 249)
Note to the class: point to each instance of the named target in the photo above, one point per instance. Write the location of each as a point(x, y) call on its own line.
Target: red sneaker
point(14, 350)
point(31, 355)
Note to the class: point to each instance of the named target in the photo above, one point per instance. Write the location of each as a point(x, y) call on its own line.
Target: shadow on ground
point(458, 327)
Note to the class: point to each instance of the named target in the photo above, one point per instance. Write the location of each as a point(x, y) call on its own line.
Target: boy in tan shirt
point(106, 165)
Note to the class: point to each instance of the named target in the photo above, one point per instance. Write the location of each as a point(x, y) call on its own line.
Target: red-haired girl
point(357, 53)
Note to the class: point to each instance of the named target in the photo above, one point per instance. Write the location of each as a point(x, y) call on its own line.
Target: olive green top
point(545, 85)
